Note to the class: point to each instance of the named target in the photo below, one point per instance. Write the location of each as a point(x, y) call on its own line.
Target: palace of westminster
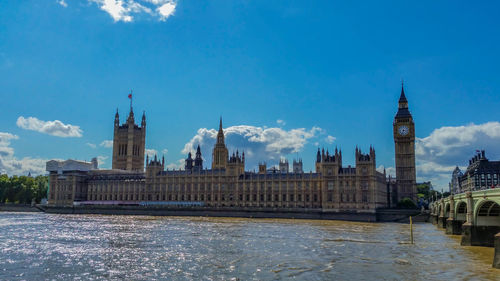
point(331, 187)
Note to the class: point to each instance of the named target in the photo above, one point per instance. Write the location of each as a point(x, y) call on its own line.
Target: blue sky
point(331, 71)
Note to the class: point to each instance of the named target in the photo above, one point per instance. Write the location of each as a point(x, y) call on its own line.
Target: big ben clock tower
point(404, 142)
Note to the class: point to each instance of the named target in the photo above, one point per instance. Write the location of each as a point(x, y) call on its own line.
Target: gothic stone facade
point(404, 143)
point(332, 187)
point(480, 174)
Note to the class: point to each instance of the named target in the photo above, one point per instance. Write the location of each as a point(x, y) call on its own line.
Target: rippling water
point(92, 247)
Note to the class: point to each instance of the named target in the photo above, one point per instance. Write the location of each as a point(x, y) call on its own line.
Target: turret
point(154, 166)
point(198, 161)
point(143, 122)
point(129, 143)
point(220, 133)
point(219, 153)
point(189, 162)
point(283, 166)
point(297, 166)
point(117, 119)
point(130, 118)
point(262, 168)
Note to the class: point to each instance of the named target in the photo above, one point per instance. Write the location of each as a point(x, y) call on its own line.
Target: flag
point(130, 96)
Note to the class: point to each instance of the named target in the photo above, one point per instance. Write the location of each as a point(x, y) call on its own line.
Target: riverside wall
point(384, 215)
point(18, 208)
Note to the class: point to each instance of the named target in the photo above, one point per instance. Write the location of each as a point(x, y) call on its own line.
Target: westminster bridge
point(475, 215)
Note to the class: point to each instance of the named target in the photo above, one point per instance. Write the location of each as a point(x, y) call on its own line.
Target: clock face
point(403, 130)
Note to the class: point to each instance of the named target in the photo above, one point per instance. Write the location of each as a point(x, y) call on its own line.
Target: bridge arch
point(447, 210)
point(461, 211)
point(487, 213)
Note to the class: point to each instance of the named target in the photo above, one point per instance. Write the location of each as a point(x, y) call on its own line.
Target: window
point(315, 197)
point(330, 185)
point(283, 197)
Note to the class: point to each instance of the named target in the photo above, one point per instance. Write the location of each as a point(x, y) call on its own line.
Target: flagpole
point(131, 97)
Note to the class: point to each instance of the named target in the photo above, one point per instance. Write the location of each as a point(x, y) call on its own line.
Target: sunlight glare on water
point(37, 246)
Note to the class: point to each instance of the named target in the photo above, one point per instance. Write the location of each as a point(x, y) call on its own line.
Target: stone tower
point(404, 142)
point(220, 153)
point(129, 143)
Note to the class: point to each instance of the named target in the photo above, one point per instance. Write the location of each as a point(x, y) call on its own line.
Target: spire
point(220, 134)
point(117, 118)
point(402, 98)
point(143, 123)
point(403, 111)
point(318, 156)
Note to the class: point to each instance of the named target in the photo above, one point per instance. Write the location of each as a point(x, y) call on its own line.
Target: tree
point(22, 189)
point(407, 203)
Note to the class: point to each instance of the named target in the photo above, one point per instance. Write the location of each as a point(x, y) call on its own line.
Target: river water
point(38, 246)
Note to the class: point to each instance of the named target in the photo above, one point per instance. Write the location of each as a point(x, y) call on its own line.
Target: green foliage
point(423, 190)
point(407, 203)
point(22, 189)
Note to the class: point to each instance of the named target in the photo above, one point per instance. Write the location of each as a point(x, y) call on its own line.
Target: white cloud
point(176, 165)
point(11, 165)
point(447, 147)
point(166, 10)
point(54, 128)
point(330, 139)
point(281, 122)
point(389, 171)
point(164, 151)
point(5, 149)
point(101, 160)
point(62, 3)
point(92, 145)
point(151, 152)
point(258, 143)
point(125, 11)
point(107, 143)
